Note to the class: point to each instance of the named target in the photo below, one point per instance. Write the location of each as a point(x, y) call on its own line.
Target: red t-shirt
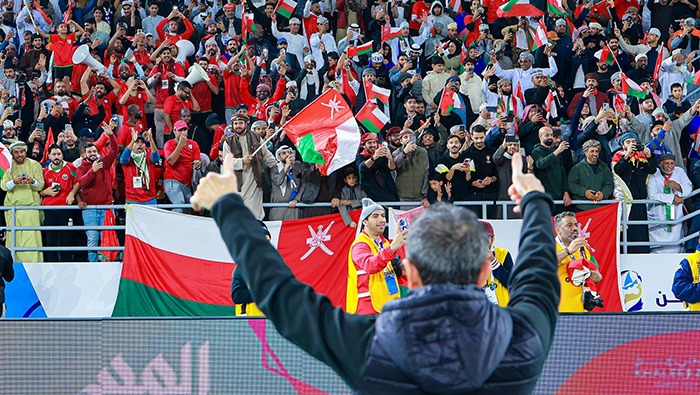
point(132, 174)
point(164, 85)
point(203, 94)
point(419, 8)
point(182, 171)
point(66, 177)
point(231, 96)
point(124, 135)
point(108, 102)
point(218, 134)
point(172, 107)
point(63, 49)
point(140, 99)
point(310, 25)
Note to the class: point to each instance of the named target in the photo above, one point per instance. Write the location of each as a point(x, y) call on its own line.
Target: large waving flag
point(178, 265)
point(325, 132)
point(522, 8)
point(631, 88)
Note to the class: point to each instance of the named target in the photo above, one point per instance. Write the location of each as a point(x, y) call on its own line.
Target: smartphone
point(606, 106)
point(404, 224)
point(115, 119)
point(509, 118)
point(47, 107)
point(491, 108)
point(639, 147)
point(385, 144)
point(40, 126)
point(68, 127)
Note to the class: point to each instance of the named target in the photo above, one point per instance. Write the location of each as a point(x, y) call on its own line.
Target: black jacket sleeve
point(534, 286)
point(240, 294)
point(304, 317)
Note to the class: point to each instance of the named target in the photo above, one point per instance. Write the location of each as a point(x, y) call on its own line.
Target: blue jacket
point(683, 287)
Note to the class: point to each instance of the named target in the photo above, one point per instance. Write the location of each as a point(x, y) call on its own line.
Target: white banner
point(646, 282)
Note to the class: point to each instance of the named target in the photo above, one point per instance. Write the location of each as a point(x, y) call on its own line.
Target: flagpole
point(30, 14)
point(265, 142)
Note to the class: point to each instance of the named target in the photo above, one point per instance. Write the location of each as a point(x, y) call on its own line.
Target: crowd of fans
point(596, 97)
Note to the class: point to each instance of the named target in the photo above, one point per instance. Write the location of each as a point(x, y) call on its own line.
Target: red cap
point(180, 125)
point(368, 136)
point(488, 228)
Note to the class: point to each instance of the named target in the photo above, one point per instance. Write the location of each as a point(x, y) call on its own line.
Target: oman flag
point(605, 55)
point(539, 39)
point(372, 118)
point(550, 105)
point(5, 159)
point(389, 32)
point(171, 270)
point(363, 49)
point(555, 7)
point(695, 79)
point(325, 132)
point(373, 92)
point(522, 8)
point(286, 8)
point(630, 88)
point(247, 25)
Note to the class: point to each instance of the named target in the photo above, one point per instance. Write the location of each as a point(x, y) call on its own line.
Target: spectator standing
point(181, 157)
point(375, 164)
point(286, 179)
point(22, 182)
point(549, 167)
point(95, 181)
point(669, 186)
point(412, 166)
point(61, 181)
point(138, 164)
point(591, 179)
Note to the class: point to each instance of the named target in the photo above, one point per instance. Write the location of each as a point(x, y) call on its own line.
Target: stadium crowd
point(599, 97)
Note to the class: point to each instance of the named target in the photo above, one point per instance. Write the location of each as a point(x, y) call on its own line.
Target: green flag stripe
point(307, 149)
point(139, 300)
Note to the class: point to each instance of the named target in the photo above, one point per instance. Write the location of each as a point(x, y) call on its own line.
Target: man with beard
point(393, 139)
point(203, 92)
point(138, 163)
point(458, 166)
point(249, 168)
point(596, 98)
point(640, 72)
point(504, 166)
point(22, 182)
point(31, 57)
point(298, 44)
point(622, 60)
point(61, 97)
point(63, 49)
point(651, 49)
point(83, 117)
point(181, 99)
point(71, 151)
point(412, 167)
point(182, 156)
point(591, 179)
point(678, 68)
point(549, 167)
point(371, 261)
point(572, 246)
point(164, 76)
point(130, 125)
point(55, 120)
point(136, 93)
point(99, 93)
point(129, 17)
point(286, 59)
point(263, 93)
point(376, 164)
point(504, 100)
point(103, 37)
point(522, 76)
point(95, 181)
point(62, 185)
point(484, 177)
point(173, 22)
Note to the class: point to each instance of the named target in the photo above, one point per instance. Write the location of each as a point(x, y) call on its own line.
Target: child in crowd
point(350, 196)
point(439, 192)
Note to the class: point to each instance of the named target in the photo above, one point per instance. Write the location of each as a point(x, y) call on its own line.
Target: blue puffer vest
point(449, 339)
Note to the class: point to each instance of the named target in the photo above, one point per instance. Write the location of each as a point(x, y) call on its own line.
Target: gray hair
point(560, 217)
point(447, 244)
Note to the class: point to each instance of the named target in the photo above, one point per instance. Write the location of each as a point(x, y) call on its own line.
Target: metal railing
point(504, 208)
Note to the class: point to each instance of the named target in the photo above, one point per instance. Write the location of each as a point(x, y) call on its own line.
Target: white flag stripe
point(348, 134)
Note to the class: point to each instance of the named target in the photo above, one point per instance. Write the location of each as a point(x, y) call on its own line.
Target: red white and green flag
point(373, 92)
point(455, 5)
point(363, 49)
point(325, 132)
point(659, 60)
point(286, 8)
point(372, 118)
point(605, 55)
point(447, 101)
point(631, 88)
point(247, 25)
point(550, 105)
point(168, 272)
point(389, 32)
point(522, 8)
point(539, 38)
point(695, 79)
point(555, 7)
point(5, 159)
